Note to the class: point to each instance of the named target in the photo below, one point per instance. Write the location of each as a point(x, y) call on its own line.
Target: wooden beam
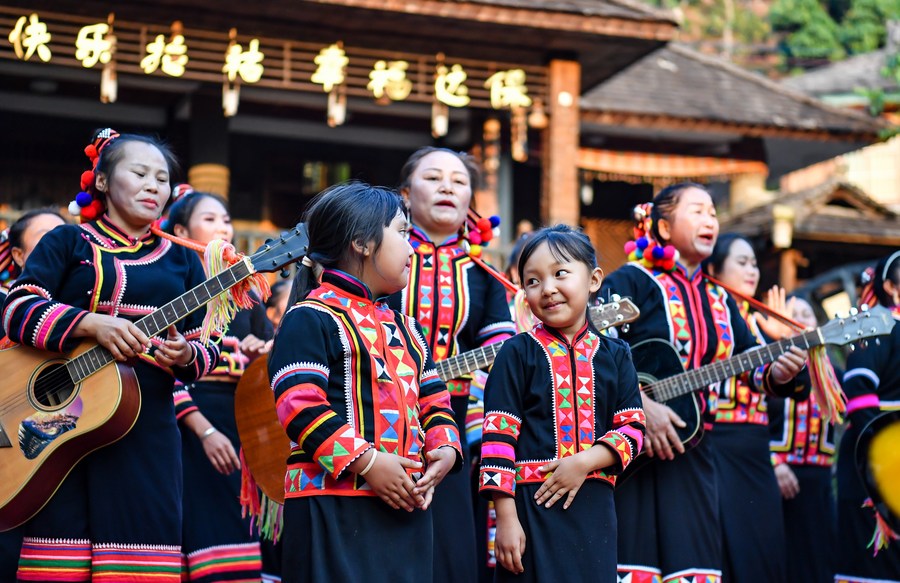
point(646, 121)
point(559, 195)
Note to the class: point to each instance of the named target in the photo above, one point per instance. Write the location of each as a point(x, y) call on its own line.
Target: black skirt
point(750, 504)
point(809, 527)
point(354, 538)
point(577, 544)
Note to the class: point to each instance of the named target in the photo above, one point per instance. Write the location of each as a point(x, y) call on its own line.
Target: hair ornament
point(85, 205)
point(644, 248)
point(478, 231)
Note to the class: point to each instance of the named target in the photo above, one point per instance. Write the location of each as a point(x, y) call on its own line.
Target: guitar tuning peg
point(853, 348)
point(864, 344)
point(616, 297)
point(853, 311)
point(864, 307)
point(285, 273)
point(878, 342)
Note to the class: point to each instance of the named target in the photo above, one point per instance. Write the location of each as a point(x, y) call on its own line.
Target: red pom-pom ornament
point(90, 151)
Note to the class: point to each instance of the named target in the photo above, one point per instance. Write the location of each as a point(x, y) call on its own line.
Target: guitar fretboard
point(90, 361)
point(466, 362)
point(681, 384)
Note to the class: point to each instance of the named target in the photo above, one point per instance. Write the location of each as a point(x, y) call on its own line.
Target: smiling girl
point(117, 516)
point(563, 417)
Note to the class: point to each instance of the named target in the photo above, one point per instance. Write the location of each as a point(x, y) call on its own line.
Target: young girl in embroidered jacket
point(670, 508)
point(360, 398)
point(16, 244)
point(218, 543)
point(872, 386)
point(460, 307)
point(562, 417)
point(117, 516)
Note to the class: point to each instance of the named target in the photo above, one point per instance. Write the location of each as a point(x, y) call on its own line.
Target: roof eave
point(661, 121)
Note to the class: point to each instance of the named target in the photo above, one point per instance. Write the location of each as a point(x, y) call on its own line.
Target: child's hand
point(569, 474)
point(440, 462)
point(388, 478)
point(509, 542)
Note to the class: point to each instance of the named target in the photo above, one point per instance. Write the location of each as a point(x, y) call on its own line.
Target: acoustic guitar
point(663, 377)
point(878, 463)
point(267, 447)
point(57, 408)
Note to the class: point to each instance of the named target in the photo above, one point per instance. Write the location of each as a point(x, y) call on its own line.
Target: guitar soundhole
point(53, 388)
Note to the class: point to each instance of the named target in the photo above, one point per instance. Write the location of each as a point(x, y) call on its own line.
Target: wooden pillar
point(748, 191)
point(559, 193)
point(208, 132)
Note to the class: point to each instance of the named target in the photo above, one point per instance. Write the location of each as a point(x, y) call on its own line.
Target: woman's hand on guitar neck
point(660, 437)
point(788, 365)
point(122, 338)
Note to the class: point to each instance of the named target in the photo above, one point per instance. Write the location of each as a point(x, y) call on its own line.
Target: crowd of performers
point(554, 464)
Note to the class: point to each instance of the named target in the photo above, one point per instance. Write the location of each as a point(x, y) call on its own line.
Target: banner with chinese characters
point(233, 59)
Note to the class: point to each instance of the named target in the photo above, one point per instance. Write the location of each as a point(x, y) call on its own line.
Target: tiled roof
point(679, 82)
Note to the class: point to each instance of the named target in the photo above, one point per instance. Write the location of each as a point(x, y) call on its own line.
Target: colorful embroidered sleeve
point(863, 379)
point(30, 314)
point(299, 368)
point(205, 355)
point(626, 438)
point(184, 404)
point(502, 423)
point(435, 412)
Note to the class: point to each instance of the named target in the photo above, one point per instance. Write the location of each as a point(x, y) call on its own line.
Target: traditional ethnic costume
point(673, 527)
point(749, 498)
point(803, 439)
point(872, 386)
point(10, 540)
point(117, 516)
point(350, 374)
point(460, 307)
point(547, 399)
point(218, 543)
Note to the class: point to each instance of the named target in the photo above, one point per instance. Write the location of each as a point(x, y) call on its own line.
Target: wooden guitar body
point(47, 423)
point(655, 360)
point(266, 446)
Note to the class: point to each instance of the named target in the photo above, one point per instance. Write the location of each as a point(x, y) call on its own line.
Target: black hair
point(282, 286)
point(347, 213)
point(17, 230)
point(664, 204)
point(409, 167)
point(113, 152)
point(516, 252)
point(566, 244)
point(182, 210)
point(887, 269)
point(713, 264)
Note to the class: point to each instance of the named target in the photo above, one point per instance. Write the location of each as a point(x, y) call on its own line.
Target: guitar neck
point(681, 384)
point(466, 362)
point(90, 361)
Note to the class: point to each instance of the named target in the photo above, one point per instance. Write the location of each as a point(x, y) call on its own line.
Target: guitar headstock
point(858, 325)
point(275, 254)
point(615, 312)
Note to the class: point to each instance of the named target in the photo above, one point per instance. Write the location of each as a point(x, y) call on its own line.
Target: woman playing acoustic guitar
point(668, 511)
point(117, 516)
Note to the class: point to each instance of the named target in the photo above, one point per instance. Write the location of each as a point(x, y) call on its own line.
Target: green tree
point(863, 29)
point(808, 30)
